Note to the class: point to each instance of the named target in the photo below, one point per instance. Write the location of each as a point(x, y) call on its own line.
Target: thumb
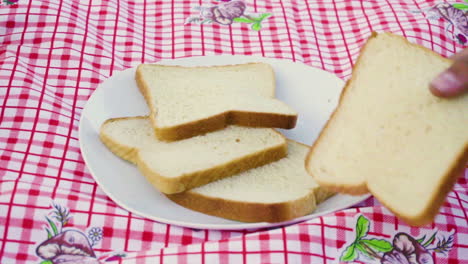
point(454, 80)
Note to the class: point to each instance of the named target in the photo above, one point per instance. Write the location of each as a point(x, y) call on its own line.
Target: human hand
point(454, 80)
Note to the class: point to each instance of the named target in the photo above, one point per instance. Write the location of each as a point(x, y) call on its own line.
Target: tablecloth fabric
point(54, 54)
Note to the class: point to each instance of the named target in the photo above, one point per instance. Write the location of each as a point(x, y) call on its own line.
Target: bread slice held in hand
point(276, 192)
point(189, 101)
point(173, 167)
point(390, 136)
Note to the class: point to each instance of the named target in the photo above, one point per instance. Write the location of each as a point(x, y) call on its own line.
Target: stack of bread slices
point(209, 142)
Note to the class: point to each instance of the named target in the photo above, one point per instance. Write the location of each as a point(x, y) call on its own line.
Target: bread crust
point(246, 211)
point(194, 179)
point(215, 122)
point(445, 185)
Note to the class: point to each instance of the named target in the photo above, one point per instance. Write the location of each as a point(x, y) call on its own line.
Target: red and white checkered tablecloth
point(53, 55)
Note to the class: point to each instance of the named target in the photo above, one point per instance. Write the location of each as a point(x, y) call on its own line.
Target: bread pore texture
point(189, 101)
point(276, 192)
point(390, 136)
point(173, 167)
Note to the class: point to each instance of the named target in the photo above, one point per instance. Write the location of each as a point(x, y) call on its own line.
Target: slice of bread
point(275, 192)
point(390, 136)
point(178, 166)
point(189, 101)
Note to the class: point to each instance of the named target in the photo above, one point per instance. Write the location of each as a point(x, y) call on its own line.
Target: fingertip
point(446, 84)
point(435, 91)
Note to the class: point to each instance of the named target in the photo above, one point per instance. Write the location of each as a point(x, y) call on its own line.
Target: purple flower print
point(395, 257)
point(67, 246)
point(454, 14)
point(70, 246)
point(406, 250)
point(226, 13)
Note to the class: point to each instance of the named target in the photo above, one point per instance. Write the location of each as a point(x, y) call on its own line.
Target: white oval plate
point(313, 93)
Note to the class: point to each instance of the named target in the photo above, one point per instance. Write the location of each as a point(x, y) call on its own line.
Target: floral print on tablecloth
point(66, 245)
point(404, 249)
point(227, 12)
point(456, 17)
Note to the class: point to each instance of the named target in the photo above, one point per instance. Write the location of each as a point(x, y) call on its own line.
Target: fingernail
point(446, 84)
